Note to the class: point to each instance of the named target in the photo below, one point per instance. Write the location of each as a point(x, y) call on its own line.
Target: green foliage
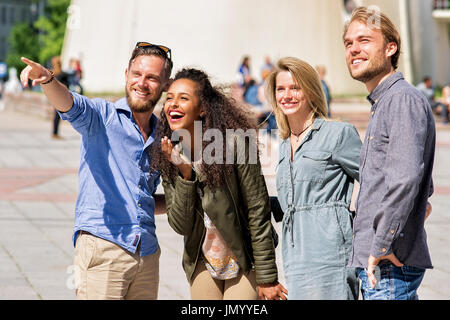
point(41, 41)
point(53, 26)
point(23, 41)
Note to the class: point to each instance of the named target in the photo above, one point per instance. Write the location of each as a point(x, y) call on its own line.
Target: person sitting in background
point(245, 77)
point(426, 87)
point(268, 66)
point(446, 96)
point(254, 96)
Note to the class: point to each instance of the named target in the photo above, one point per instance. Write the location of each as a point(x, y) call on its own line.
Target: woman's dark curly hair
point(220, 112)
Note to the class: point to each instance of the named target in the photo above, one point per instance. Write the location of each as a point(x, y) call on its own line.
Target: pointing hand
point(35, 72)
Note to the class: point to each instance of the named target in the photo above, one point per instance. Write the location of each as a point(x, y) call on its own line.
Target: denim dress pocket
point(312, 166)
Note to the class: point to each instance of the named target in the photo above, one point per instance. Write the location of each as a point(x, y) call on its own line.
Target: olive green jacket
point(239, 210)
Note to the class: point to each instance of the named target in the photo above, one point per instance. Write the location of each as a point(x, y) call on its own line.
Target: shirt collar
point(383, 87)
point(317, 123)
point(122, 105)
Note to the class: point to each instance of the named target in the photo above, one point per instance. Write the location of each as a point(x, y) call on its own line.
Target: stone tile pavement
point(38, 186)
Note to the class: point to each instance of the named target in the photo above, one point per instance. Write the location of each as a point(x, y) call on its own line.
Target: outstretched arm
point(57, 93)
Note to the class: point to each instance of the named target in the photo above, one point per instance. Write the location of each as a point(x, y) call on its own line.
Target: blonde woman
point(318, 163)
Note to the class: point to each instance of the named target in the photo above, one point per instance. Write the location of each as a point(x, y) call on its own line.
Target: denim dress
point(315, 191)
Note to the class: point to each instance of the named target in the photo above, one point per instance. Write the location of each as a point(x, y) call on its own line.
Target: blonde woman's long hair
point(307, 79)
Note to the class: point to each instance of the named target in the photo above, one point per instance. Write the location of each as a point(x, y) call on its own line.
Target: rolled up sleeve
point(86, 114)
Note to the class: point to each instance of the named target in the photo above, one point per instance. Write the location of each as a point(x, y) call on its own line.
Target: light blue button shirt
point(115, 190)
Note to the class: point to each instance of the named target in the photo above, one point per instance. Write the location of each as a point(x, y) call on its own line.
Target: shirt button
point(139, 204)
point(383, 250)
point(372, 113)
point(392, 231)
point(371, 138)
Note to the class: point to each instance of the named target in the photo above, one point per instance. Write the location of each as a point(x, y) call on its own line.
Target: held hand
point(272, 291)
point(373, 262)
point(175, 157)
point(35, 72)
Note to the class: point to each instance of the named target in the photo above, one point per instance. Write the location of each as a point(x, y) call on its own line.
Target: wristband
point(51, 78)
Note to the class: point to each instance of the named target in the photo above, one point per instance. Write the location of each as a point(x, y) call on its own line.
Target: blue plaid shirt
point(115, 190)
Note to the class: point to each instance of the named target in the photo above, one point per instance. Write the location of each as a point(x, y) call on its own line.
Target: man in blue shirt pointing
point(116, 249)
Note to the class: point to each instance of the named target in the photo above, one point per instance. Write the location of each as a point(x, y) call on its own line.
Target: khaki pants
point(205, 287)
point(106, 271)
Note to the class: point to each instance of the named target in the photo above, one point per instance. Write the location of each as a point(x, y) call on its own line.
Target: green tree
point(52, 27)
point(42, 40)
point(23, 41)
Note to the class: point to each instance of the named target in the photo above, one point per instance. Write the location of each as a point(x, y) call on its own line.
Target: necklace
point(297, 136)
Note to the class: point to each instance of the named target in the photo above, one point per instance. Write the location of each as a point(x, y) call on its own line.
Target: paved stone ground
point(38, 186)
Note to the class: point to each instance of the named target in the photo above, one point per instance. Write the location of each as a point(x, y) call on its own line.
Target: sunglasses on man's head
point(164, 49)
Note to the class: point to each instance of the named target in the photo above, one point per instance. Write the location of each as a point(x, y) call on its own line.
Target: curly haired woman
point(221, 208)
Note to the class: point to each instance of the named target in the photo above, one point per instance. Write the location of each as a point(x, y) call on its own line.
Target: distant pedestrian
point(116, 248)
point(390, 244)
point(62, 77)
point(446, 96)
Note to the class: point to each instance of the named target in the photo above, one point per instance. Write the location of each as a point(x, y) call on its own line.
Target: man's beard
point(375, 67)
point(141, 107)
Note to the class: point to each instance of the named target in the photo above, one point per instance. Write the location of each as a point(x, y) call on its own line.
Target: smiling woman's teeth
point(176, 114)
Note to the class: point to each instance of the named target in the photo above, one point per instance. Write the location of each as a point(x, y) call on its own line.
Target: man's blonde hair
point(374, 18)
point(307, 79)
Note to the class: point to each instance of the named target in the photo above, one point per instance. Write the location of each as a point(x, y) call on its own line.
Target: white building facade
point(214, 35)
